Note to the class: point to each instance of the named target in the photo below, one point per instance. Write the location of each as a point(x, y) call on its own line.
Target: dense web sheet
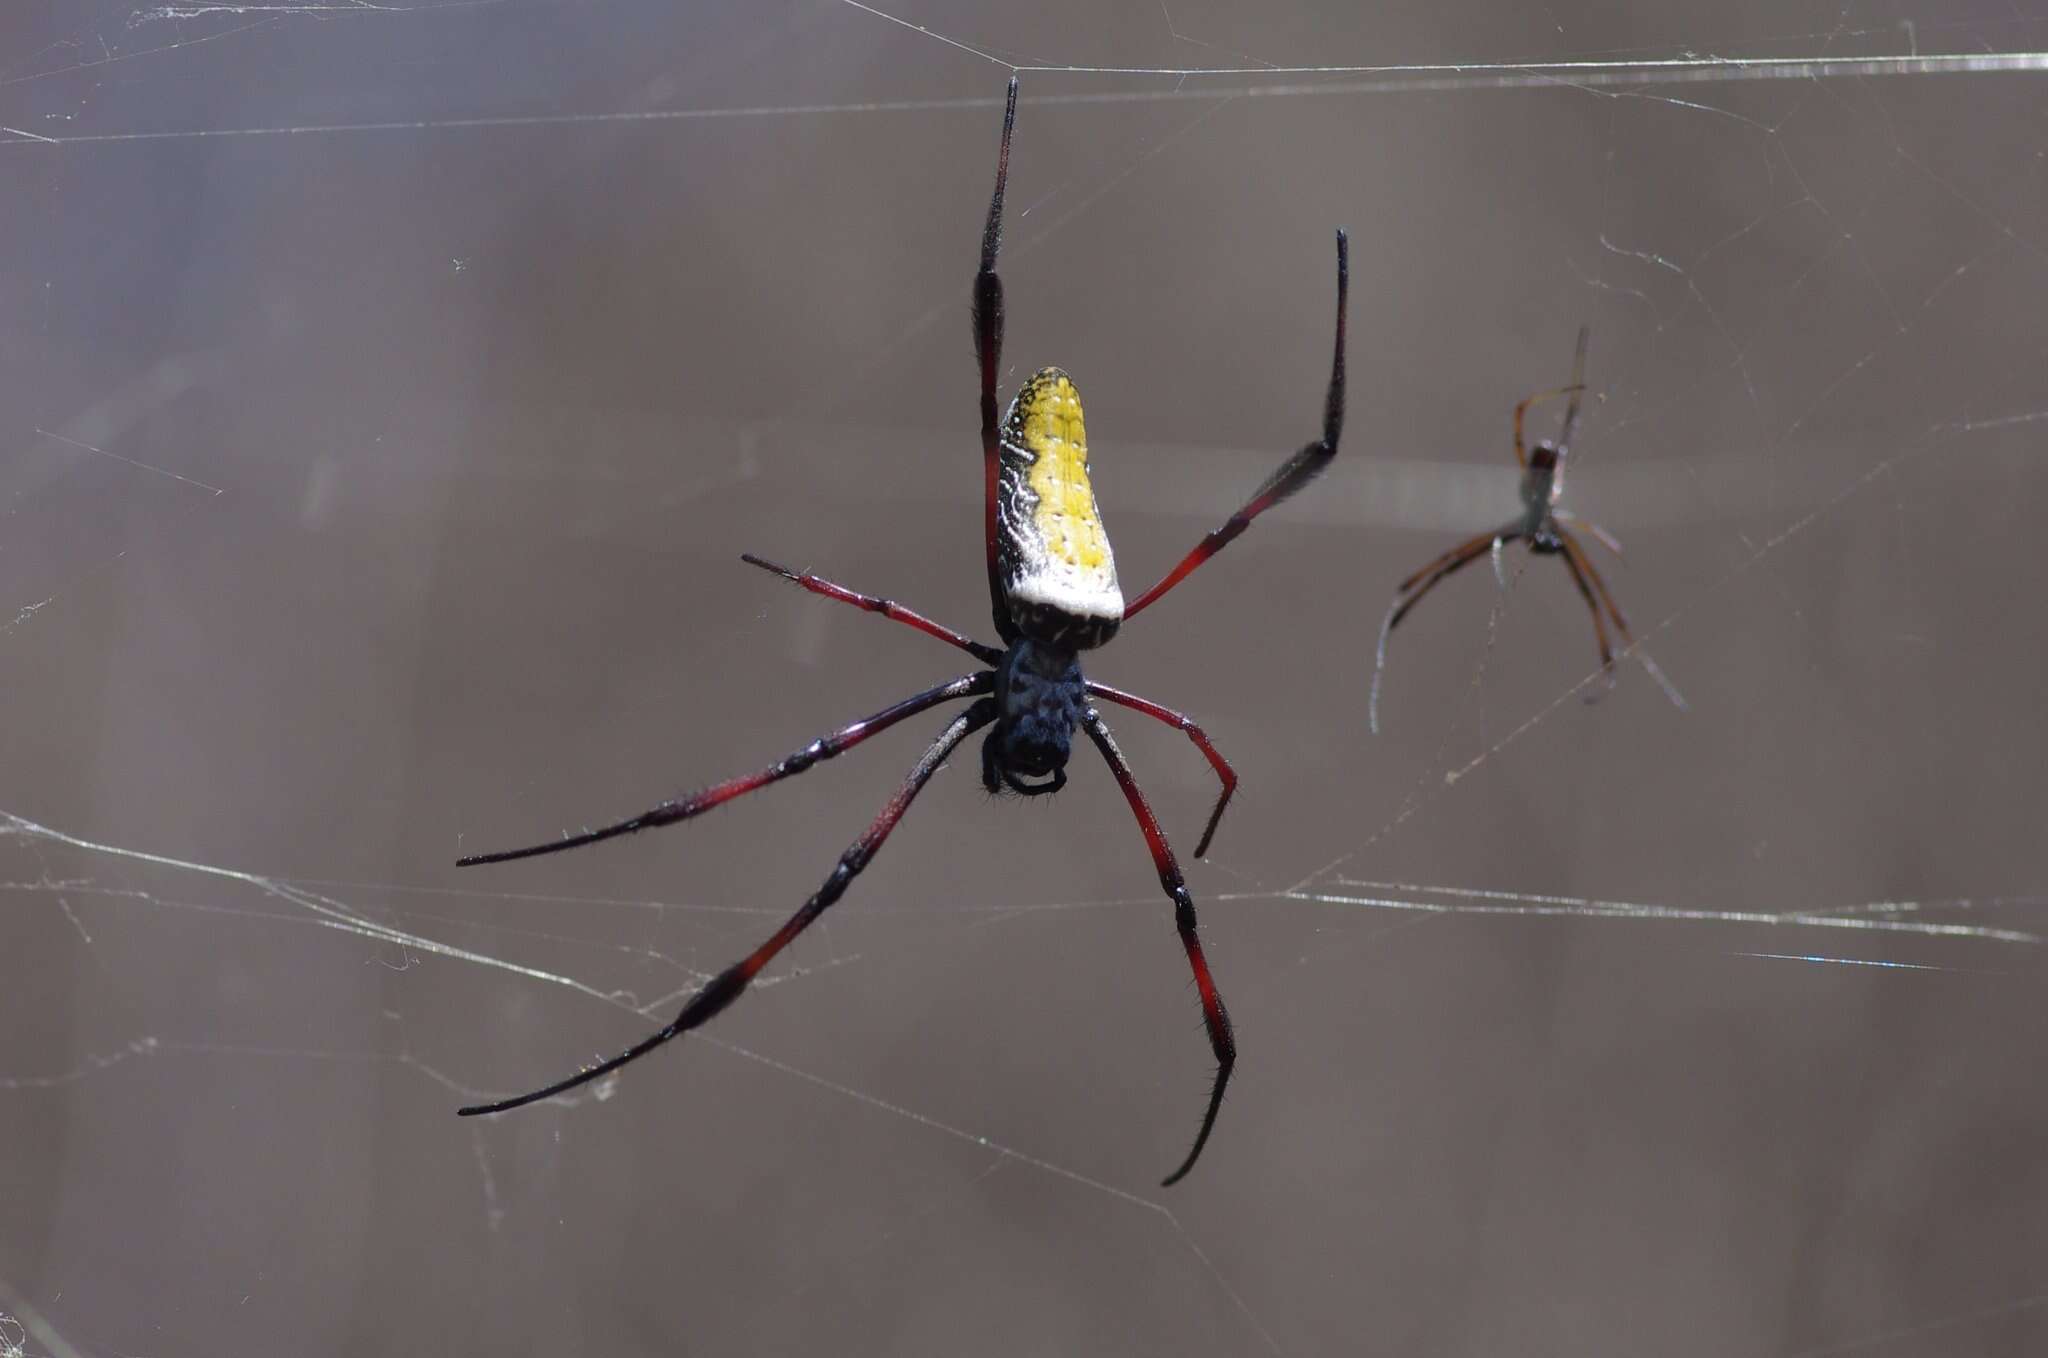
point(390, 389)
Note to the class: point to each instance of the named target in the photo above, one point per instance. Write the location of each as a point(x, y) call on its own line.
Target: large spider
point(1543, 526)
point(1053, 593)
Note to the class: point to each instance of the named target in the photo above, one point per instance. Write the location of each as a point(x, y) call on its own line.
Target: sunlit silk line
point(1006, 1153)
point(160, 471)
point(1451, 76)
point(1642, 71)
point(1994, 422)
point(1481, 902)
point(93, 1064)
point(1850, 961)
point(1865, 907)
point(1524, 74)
point(328, 912)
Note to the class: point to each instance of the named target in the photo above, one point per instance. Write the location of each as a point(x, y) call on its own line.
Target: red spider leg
point(1224, 773)
point(718, 794)
point(729, 984)
point(888, 608)
point(1214, 1016)
point(1581, 567)
point(988, 352)
point(1296, 472)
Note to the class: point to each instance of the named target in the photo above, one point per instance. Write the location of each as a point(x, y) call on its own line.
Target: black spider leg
point(1296, 472)
point(731, 983)
point(988, 353)
point(1410, 591)
point(825, 747)
point(1225, 774)
point(1214, 1016)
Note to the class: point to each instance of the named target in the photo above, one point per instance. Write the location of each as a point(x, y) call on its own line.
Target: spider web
point(391, 388)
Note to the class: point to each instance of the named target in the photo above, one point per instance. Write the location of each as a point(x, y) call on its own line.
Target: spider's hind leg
point(1581, 569)
point(1215, 1018)
point(721, 990)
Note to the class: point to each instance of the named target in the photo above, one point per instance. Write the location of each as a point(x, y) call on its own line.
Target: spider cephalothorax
point(1542, 485)
point(1543, 482)
point(1052, 593)
point(1040, 699)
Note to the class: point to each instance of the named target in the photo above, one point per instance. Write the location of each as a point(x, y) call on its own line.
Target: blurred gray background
point(387, 392)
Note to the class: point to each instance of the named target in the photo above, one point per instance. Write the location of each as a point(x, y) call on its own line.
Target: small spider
point(1053, 593)
point(1542, 526)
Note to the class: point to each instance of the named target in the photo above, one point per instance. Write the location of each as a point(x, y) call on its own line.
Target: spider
point(1543, 526)
point(1053, 593)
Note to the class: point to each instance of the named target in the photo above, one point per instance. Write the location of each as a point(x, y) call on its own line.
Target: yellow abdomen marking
point(1057, 566)
point(1052, 428)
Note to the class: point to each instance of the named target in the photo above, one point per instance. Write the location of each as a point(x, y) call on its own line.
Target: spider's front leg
point(1214, 1017)
point(1294, 473)
point(988, 353)
point(1588, 580)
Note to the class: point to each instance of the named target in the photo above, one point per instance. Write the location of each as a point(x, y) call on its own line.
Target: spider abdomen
point(1059, 574)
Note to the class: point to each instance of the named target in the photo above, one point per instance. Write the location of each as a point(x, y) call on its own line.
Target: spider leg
point(1577, 389)
point(1583, 575)
point(1224, 773)
point(1571, 412)
point(1521, 453)
point(1214, 1016)
point(988, 352)
point(1607, 539)
point(1410, 591)
point(1296, 472)
point(825, 747)
point(729, 984)
point(1573, 547)
point(1614, 611)
point(888, 608)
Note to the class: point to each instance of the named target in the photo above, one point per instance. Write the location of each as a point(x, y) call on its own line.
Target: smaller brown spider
point(1542, 526)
